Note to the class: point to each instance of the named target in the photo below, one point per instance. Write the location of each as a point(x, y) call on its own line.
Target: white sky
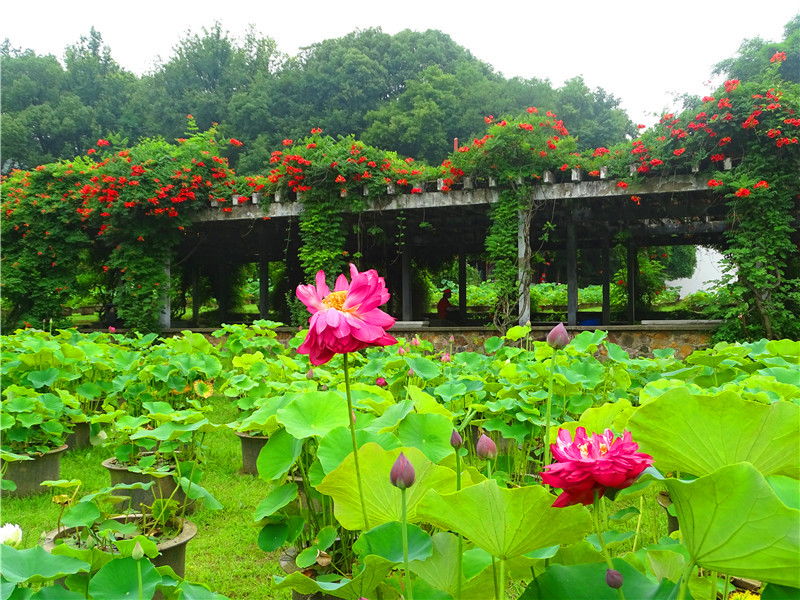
point(641, 51)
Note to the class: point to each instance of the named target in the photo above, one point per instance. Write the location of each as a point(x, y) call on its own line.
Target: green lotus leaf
point(36, 565)
point(314, 414)
point(386, 541)
point(124, 578)
point(382, 499)
point(698, 434)
point(732, 522)
point(427, 432)
point(505, 522)
point(440, 570)
point(362, 585)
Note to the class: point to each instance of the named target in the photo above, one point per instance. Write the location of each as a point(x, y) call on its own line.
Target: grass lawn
point(224, 555)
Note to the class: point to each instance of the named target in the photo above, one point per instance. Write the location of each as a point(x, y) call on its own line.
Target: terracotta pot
point(162, 486)
point(251, 447)
point(29, 474)
point(79, 438)
point(172, 552)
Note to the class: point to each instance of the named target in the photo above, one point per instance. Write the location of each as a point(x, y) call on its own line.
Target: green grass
point(224, 554)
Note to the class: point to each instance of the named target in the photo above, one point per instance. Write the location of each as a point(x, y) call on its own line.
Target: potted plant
point(164, 447)
point(102, 556)
point(34, 428)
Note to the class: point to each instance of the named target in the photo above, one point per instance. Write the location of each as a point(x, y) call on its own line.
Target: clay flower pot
point(172, 552)
point(162, 486)
point(251, 447)
point(29, 474)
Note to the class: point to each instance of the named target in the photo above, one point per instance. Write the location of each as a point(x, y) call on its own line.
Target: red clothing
point(442, 307)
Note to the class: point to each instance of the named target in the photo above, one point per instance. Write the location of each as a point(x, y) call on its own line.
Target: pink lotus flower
point(558, 337)
point(347, 319)
point(588, 464)
point(381, 382)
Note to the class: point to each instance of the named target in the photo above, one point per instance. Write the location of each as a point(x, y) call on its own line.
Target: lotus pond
point(682, 476)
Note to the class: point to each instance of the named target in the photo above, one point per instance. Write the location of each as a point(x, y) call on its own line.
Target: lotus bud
point(456, 441)
point(446, 357)
point(401, 351)
point(323, 387)
point(381, 382)
point(411, 372)
point(402, 474)
point(112, 329)
point(310, 374)
point(415, 341)
point(614, 578)
point(558, 337)
point(452, 339)
point(138, 552)
point(486, 448)
point(10, 535)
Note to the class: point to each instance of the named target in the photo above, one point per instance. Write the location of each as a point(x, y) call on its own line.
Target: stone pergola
point(588, 215)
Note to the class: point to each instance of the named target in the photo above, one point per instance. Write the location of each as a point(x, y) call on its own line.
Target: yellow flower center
point(335, 300)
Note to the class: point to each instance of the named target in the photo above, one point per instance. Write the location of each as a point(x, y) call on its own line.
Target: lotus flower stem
point(460, 557)
point(502, 579)
point(355, 443)
point(606, 555)
point(638, 523)
point(139, 574)
point(405, 544)
point(546, 433)
point(494, 579)
point(687, 573)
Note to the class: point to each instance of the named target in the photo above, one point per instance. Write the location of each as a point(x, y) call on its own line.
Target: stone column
point(406, 278)
point(572, 274)
point(165, 316)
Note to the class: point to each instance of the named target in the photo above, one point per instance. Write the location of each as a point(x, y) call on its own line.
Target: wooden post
point(572, 273)
point(195, 295)
point(632, 268)
point(406, 278)
point(606, 262)
point(263, 284)
point(523, 256)
point(462, 284)
point(165, 316)
point(222, 299)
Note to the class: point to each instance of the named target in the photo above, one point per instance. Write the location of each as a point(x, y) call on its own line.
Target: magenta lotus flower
point(558, 337)
point(402, 474)
point(346, 319)
point(486, 448)
point(587, 464)
point(381, 382)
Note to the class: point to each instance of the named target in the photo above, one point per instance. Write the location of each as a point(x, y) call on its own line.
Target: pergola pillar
point(606, 263)
point(572, 274)
point(523, 270)
point(263, 285)
point(633, 270)
point(165, 316)
point(462, 284)
point(195, 294)
point(406, 279)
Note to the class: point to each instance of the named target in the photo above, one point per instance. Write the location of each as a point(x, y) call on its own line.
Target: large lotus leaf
point(386, 541)
point(278, 455)
point(391, 417)
point(699, 434)
point(425, 403)
point(588, 582)
point(173, 431)
point(423, 367)
point(36, 565)
point(314, 414)
point(373, 573)
point(427, 432)
point(275, 500)
point(440, 570)
point(338, 443)
point(505, 522)
point(124, 578)
point(733, 522)
point(382, 499)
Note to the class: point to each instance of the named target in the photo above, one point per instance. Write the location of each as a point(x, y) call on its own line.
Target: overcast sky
point(642, 52)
